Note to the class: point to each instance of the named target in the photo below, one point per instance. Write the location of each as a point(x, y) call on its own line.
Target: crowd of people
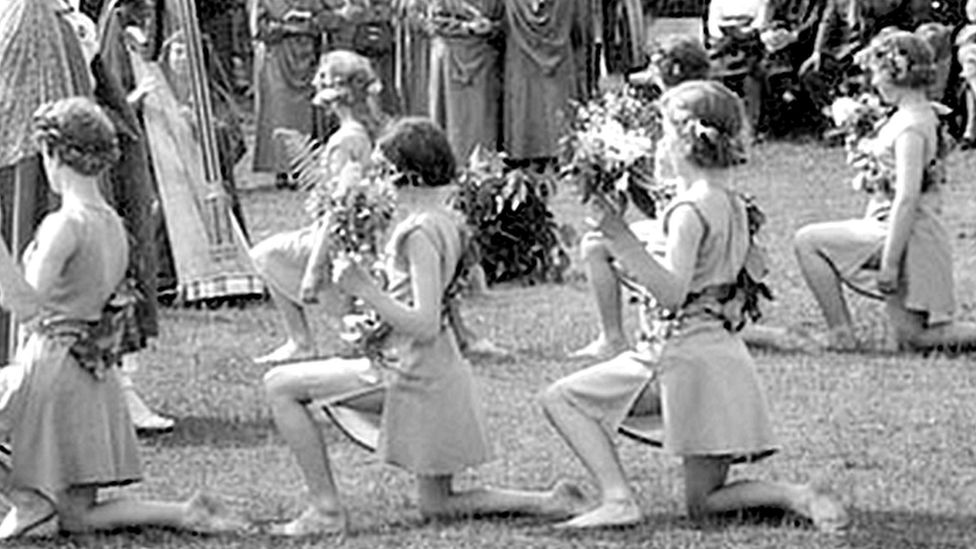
point(97, 123)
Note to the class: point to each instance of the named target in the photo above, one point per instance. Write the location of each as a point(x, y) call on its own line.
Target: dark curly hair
point(679, 58)
point(904, 58)
point(711, 119)
point(78, 133)
point(420, 151)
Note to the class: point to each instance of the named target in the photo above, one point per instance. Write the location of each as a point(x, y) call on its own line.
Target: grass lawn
point(893, 435)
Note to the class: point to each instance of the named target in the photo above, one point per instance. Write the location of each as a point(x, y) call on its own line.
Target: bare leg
point(143, 417)
point(605, 283)
point(288, 389)
point(825, 285)
point(706, 492)
point(299, 342)
point(592, 445)
point(970, 132)
point(438, 500)
point(79, 511)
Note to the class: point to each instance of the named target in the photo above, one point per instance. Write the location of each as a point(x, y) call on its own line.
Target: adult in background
point(845, 27)
point(289, 42)
point(132, 192)
point(465, 77)
point(540, 75)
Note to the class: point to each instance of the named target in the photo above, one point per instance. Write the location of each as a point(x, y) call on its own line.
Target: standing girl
point(432, 421)
point(62, 410)
point(899, 251)
point(293, 263)
point(693, 369)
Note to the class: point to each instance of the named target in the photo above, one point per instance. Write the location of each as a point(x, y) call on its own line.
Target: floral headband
point(706, 133)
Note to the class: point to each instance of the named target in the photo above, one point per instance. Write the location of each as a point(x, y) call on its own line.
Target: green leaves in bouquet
point(513, 229)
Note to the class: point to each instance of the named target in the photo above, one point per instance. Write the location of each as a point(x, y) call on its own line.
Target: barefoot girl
point(293, 263)
point(675, 60)
point(899, 251)
point(432, 421)
point(693, 371)
point(63, 413)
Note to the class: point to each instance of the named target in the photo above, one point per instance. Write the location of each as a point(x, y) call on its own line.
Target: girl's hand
point(605, 219)
point(887, 281)
point(351, 277)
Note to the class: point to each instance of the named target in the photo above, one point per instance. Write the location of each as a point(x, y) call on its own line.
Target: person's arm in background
point(824, 30)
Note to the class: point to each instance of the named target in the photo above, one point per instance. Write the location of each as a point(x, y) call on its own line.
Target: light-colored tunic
point(66, 427)
point(431, 422)
point(281, 259)
point(854, 246)
point(710, 397)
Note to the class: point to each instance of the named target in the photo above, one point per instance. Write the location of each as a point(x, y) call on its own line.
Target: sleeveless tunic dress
point(281, 259)
point(710, 397)
point(66, 426)
point(432, 421)
point(854, 246)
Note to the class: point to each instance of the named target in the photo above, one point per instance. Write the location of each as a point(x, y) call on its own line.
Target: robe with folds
point(540, 75)
point(284, 66)
point(465, 86)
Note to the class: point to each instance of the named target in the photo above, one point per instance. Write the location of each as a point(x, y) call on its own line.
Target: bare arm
point(909, 166)
point(15, 294)
point(56, 240)
point(422, 318)
point(668, 281)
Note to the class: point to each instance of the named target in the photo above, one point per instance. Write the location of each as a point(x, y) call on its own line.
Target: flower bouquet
point(857, 119)
point(609, 151)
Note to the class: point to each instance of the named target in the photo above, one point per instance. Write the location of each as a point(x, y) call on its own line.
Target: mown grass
point(893, 435)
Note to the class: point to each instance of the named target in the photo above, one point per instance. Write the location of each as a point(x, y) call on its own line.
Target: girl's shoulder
point(439, 227)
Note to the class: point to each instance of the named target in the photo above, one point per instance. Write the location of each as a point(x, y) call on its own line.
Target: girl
point(63, 412)
point(673, 61)
point(900, 251)
point(431, 417)
point(694, 371)
point(293, 263)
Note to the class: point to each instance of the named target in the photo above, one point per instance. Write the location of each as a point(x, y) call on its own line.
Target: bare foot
point(826, 513)
point(312, 522)
point(566, 499)
point(29, 511)
point(613, 513)
point(289, 351)
point(206, 514)
point(600, 348)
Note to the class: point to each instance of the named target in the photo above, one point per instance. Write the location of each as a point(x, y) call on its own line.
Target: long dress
point(284, 65)
point(41, 60)
point(541, 75)
point(67, 426)
point(711, 400)
point(129, 184)
point(465, 85)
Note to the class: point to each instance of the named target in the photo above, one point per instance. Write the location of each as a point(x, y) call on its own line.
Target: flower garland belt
point(95, 345)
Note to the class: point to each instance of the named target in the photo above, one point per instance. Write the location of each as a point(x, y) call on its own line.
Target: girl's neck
point(692, 177)
point(912, 98)
point(81, 190)
point(415, 200)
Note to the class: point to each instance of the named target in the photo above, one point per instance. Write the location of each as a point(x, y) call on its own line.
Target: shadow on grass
point(216, 433)
point(896, 529)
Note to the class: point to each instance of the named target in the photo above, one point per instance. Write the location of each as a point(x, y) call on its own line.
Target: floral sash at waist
point(721, 303)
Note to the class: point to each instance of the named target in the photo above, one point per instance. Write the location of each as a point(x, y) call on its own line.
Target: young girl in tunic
point(899, 251)
point(293, 263)
point(692, 371)
point(62, 411)
point(432, 422)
